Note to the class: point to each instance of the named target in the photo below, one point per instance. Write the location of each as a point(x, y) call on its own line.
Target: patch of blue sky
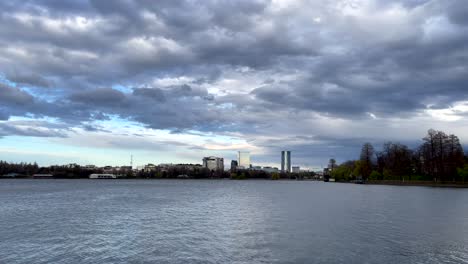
point(115, 123)
point(122, 88)
point(4, 80)
point(47, 152)
point(28, 143)
point(48, 95)
point(227, 106)
point(35, 119)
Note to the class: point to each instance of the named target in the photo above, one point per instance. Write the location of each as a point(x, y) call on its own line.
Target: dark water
point(118, 221)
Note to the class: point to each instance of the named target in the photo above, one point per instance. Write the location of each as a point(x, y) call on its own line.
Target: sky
point(93, 82)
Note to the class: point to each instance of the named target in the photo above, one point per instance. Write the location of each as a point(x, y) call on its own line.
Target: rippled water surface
point(158, 221)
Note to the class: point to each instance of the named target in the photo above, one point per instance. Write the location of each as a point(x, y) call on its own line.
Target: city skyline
point(93, 82)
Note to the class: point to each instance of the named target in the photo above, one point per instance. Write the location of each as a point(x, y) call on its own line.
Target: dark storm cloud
point(14, 101)
point(99, 97)
point(28, 80)
point(155, 94)
point(32, 129)
point(457, 12)
point(178, 108)
point(10, 96)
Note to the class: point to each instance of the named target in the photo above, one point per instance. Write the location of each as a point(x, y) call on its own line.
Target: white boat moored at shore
point(102, 176)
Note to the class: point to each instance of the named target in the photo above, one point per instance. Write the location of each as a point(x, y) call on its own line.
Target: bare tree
point(441, 155)
point(332, 164)
point(396, 159)
point(367, 158)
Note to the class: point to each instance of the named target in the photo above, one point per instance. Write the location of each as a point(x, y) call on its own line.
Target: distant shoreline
point(420, 183)
point(389, 183)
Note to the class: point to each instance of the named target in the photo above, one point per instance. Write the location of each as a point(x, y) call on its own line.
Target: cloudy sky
point(95, 81)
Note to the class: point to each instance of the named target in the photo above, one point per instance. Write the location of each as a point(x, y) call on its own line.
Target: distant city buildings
point(149, 168)
point(234, 165)
point(213, 163)
point(270, 169)
point(213, 167)
point(296, 169)
point(243, 158)
point(90, 167)
point(285, 161)
point(72, 166)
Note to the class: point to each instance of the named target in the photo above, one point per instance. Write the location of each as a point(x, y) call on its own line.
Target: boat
point(102, 176)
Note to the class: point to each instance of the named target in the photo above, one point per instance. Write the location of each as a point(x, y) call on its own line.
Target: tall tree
point(367, 158)
point(396, 159)
point(441, 155)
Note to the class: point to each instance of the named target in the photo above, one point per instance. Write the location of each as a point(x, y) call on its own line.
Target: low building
point(270, 169)
point(108, 169)
point(90, 167)
point(213, 163)
point(72, 166)
point(124, 169)
point(149, 168)
point(296, 169)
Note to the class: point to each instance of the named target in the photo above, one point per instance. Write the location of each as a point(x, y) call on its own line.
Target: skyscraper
point(286, 161)
point(243, 158)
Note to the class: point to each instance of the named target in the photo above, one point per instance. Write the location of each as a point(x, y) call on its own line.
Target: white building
point(270, 169)
point(243, 158)
point(213, 163)
point(296, 169)
point(149, 167)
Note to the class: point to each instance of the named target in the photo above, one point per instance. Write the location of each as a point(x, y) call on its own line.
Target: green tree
point(375, 175)
point(275, 176)
point(343, 172)
point(463, 173)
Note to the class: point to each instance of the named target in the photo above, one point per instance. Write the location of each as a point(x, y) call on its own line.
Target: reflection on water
point(84, 221)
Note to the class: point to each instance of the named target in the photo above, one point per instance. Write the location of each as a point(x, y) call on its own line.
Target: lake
point(223, 221)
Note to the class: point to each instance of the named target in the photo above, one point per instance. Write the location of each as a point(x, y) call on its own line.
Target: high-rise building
point(213, 163)
point(243, 158)
point(286, 161)
point(233, 165)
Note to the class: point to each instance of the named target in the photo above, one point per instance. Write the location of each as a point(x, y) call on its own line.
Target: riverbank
point(421, 183)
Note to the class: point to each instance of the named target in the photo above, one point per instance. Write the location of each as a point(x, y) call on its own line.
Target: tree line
point(439, 158)
point(194, 171)
point(19, 168)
